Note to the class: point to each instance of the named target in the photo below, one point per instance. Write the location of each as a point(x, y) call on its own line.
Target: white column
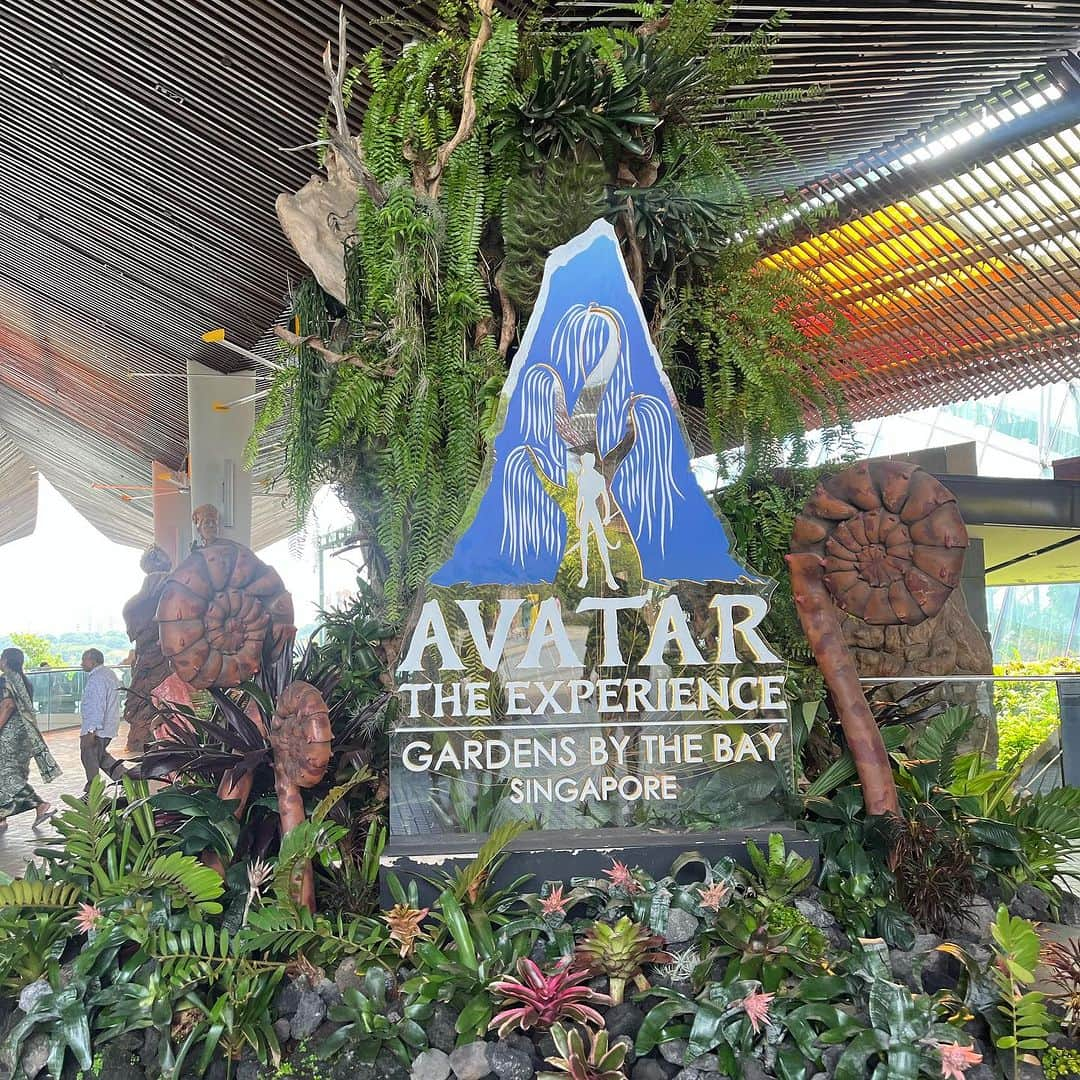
point(217, 433)
point(172, 511)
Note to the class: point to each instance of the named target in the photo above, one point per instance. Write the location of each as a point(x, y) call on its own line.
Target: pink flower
point(622, 877)
point(956, 1059)
point(87, 918)
point(712, 896)
point(554, 903)
point(756, 1007)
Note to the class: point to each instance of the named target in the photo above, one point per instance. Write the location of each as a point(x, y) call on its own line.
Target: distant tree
point(38, 650)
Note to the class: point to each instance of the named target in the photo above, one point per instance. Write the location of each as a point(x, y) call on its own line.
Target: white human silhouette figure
point(591, 492)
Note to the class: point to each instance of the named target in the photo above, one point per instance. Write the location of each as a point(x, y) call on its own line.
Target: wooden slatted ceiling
point(18, 492)
point(883, 68)
point(141, 157)
point(969, 284)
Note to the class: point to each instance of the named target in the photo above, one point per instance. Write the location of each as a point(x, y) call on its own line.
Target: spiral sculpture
point(218, 610)
point(884, 542)
point(300, 734)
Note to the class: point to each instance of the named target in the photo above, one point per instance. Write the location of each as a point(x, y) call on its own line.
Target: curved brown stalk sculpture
point(883, 541)
point(300, 734)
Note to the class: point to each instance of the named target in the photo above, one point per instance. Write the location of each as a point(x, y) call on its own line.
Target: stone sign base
point(559, 855)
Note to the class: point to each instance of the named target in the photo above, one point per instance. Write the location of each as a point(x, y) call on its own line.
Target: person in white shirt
point(100, 710)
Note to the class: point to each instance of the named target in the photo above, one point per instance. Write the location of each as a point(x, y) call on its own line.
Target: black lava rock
point(508, 1063)
point(625, 1019)
point(653, 1069)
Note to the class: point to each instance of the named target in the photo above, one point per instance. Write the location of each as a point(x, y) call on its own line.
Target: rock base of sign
point(557, 855)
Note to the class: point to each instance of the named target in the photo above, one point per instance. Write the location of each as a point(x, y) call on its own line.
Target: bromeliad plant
point(542, 1000)
point(574, 1062)
point(621, 952)
point(780, 874)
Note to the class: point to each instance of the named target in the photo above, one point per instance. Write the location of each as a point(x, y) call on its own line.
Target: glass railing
point(58, 692)
point(1051, 726)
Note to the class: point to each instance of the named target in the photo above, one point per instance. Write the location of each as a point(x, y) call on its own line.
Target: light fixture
point(217, 337)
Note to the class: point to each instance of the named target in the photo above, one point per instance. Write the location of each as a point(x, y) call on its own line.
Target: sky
point(68, 577)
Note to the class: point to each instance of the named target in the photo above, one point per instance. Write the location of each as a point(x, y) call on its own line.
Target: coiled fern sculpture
point(884, 542)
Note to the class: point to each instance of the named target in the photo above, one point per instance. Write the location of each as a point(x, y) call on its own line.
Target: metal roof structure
point(954, 253)
point(141, 159)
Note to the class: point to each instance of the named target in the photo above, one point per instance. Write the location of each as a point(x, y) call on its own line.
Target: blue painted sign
point(591, 457)
point(590, 653)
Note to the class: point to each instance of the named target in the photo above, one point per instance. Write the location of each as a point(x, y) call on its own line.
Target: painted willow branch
point(884, 542)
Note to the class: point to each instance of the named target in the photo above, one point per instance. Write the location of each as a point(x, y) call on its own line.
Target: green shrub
point(1027, 713)
point(1059, 1064)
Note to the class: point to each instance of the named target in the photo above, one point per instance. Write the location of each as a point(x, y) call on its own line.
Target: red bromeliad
point(545, 999)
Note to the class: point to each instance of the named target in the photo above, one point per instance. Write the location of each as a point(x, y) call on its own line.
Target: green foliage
point(546, 207)
point(48, 895)
point(36, 651)
point(236, 1016)
point(471, 952)
point(620, 952)
point(1059, 1064)
point(113, 850)
point(452, 234)
point(1023, 1022)
point(758, 368)
point(858, 885)
point(31, 944)
point(574, 102)
point(367, 1025)
point(1027, 712)
point(761, 514)
point(600, 1062)
point(63, 1014)
point(781, 873)
point(903, 1037)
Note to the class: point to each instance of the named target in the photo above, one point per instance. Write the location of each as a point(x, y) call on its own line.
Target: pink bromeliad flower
point(956, 1060)
point(88, 918)
point(554, 903)
point(756, 1007)
point(712, 896)
point(622, 877)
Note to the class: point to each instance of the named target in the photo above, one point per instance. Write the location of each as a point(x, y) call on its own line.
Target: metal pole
point(1069, 706)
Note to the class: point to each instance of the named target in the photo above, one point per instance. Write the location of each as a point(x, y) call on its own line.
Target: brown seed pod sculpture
point(217, 611)
point(301, 735)
point(883, 541)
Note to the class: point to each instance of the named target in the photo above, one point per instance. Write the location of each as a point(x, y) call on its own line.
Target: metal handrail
point(57, 706)
point(1065, 676)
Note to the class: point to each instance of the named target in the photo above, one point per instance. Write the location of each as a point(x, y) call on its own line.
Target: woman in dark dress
point(20, 741)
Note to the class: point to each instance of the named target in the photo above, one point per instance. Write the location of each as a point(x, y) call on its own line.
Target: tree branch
point(468, 100)
point(340, 139)
point(636, 260)
point(508, 325)
point(329, 355)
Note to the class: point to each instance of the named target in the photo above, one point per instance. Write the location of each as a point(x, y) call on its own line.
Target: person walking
point(100, 711)
point(20, 741)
